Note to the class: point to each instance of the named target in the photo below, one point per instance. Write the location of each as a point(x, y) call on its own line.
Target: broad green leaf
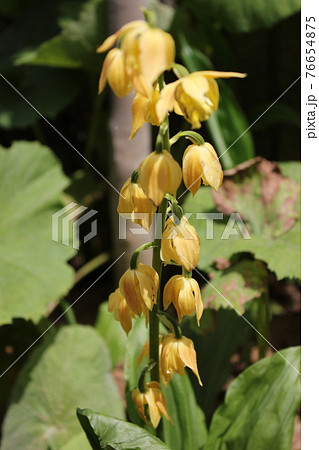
point(226, 124)
point(260, 406)
point(105, 432)
point(69, 370)
point(228, 333)
point(239, 284)
point(33, 268)
point(112, 333)
point(268, 203)
point(82, 30)
point(48, 90)
point(245, 15)
point(189, 431)
point(78, 442)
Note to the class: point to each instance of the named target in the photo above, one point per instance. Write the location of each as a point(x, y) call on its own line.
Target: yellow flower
point(185, 295)
point(121, 311)
point(177, 354)
point(197, 96)
point(139, 288)
point(201, 162)
point(180, 243)
point(143, 110)
point(155, 400)
point(148, 52)
point(114, 73)
point(133, 201)
point(159, 173)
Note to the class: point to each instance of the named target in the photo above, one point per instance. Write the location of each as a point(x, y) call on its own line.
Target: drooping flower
point(148, 52)
point(121, 311)
point(154, 399)
point(185, 295)
point(159, 173)
point(180, 243)
point(143, 110)
point(176, 355)
point(200, 162)
point(133, 201)
point(139, 288)
point(114, 73)
point(197, 96)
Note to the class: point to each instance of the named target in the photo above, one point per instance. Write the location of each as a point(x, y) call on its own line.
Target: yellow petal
point(192, 169)
point(212, 171)
point(128, 290)
point(139, 113)
point(110, 41)
point(188, 356)
point(166, 101)
point(198, 300)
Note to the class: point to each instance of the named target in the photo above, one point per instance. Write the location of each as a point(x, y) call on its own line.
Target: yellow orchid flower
point(143, 110)
point(139, 288)
point(147, 51)
point(176, 355)
point(155, 400)
point(159, 173)
point(197, 96)
point(180, 243)
point(114, 73)
point(121, 311)
point(200, 162)
point(185, 295)
point(133, 201)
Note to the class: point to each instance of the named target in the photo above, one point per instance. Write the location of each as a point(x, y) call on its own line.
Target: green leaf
point(245, 15)
point(268, 203)
point(189, 431)
point(112, 333)
point(82, 30)
point(33, 268)
point(239, 284)
point(228, 333)
point(69, 370)
point(260, 406)
point(49, 91)
point(227, 123)
point(106, 432)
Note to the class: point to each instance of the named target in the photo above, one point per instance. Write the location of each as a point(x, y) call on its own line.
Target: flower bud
point(134, 201)
point(200, 162)
point(159, 173)
point(114, 73)
point(185, 295)
point(180, 243)
point(121, 311)
point(177, 354)
point(154, 399)
point(139, 287)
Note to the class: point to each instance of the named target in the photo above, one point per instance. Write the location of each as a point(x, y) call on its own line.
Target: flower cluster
point(141, 54)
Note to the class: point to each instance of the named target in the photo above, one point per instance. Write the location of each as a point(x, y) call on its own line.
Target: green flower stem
point(186, 274)
point(69, 313)
point(196, 138)
point(170, 322)
point(141, 380)
point(153, 317)
point(136, 254)
point(263, 321)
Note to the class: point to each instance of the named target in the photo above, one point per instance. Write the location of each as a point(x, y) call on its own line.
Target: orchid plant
point(139, 60)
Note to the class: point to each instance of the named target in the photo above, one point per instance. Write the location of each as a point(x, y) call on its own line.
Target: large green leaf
point(112, 333)
point(189, 431)
point(33, 268)
point(82, 27)
point(227, 333)
point(228, 123)
point(68, 371)
point(268, 202)
point(260, 406)
point(104, 432)
point(245, 15)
